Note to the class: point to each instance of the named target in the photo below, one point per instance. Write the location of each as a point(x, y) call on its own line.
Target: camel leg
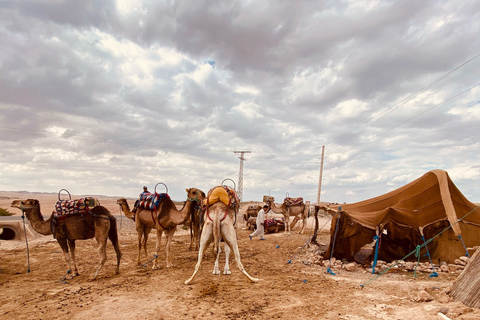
point(216, 268)
point(157, 248)
point(116, 246)
point(226, 269)
point(228, 234)
point(140, 230)
point(71, 245)
point(287, 222)
point(169, 235)
point(146, 232)
point(102, 251)
point(63, 244)
point(304, 224)
point(205, 240)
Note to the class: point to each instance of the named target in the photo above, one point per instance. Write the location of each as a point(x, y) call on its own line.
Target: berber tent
point(399, 221)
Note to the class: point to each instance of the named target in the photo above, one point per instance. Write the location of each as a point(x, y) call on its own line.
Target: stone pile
point(399, 265)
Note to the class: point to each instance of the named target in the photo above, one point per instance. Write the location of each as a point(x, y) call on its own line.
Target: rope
point(333, 246)
point(377, 238)
point(307, 243)
point(63, 278)
point(420, 246)
point(434, 274)
point(278, 246)
point(26, 241)
point(154, 257)
point(466, 251)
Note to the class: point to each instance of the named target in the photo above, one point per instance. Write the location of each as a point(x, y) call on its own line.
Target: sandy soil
point(295, 290)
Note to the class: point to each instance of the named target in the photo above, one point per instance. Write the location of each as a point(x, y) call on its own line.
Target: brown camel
point(96, 223)
point(251, 211)
point(219, 224)
point(165, 218)
point(300, 210)
point(195, 225)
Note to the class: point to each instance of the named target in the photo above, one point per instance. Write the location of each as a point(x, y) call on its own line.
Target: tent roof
point(430, 198)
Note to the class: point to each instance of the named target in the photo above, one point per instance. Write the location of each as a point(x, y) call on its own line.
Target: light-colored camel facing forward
point(300, 210)
point(219, 223)
point(165, 218)
point(98, 222)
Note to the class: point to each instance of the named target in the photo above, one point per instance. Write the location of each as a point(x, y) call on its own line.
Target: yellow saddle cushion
point(223, 194)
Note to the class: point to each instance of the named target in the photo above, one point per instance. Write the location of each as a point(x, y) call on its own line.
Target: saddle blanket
point(223, 194)
point(150, 201)
point(65, 208)
point(293, 201)
point(272, 222)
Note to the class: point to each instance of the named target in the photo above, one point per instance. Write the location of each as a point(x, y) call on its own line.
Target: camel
point(165, 218)
point(300, 210)
point(216, 227)
point(98, 222)
point(195, 225)
point(252, 211)
point(272, 225)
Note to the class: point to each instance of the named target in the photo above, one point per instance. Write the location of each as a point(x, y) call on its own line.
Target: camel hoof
point(169, 266)
point(255, 279)
point(227, 272)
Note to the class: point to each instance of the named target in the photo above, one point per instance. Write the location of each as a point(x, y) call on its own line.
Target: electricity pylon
point(240, 173)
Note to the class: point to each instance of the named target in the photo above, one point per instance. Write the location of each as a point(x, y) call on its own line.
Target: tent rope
point(424, 244)
point(466, 251)
point(307, 243)
point(333, 246)
point(433, 274)
point(377, 239)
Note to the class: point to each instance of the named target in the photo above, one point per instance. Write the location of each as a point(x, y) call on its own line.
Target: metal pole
point(320, 177)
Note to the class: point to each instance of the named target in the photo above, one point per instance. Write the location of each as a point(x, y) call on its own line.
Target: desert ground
point(292, 286)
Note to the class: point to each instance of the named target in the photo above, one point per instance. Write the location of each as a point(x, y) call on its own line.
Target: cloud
point(108, 96)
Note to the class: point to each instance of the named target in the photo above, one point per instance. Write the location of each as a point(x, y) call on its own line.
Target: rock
point(444, 268)
point(350, 266)
point(464, 259)
point(443, 310)
point(442, 297)
point(423, 296)
point(460, 262)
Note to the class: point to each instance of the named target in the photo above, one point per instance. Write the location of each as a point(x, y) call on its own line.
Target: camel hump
point(293, 201)
point(223, 194)
point(65, 208)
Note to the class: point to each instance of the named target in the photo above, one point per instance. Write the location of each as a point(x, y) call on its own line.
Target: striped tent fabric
point(466, 288)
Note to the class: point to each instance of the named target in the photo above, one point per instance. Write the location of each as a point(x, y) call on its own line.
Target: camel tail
point(113, 232)
point(216, 235)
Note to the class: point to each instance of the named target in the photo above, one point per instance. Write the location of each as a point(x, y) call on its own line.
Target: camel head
point(25, 204)
point(269, 200)
point(121, 201)
point(195, 194)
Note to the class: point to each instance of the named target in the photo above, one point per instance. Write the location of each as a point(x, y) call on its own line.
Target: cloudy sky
point(104, 97)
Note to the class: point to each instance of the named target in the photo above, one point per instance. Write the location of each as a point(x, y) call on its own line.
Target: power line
point(402, 102)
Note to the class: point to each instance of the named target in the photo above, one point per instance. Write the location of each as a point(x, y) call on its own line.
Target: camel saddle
point(66, 208)
point(293, 201)
point(150, 201)
point(273, 222)
point(224, 194)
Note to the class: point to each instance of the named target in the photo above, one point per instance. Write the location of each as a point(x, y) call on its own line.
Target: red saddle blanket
point(272, 222)
point(65, 208)
point(150, 201)
point(293, 201)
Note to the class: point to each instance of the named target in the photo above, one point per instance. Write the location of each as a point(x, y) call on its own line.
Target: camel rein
point(25, 232)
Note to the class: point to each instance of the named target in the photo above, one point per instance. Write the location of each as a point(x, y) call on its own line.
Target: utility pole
point(320, 177)
point(240, 173)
